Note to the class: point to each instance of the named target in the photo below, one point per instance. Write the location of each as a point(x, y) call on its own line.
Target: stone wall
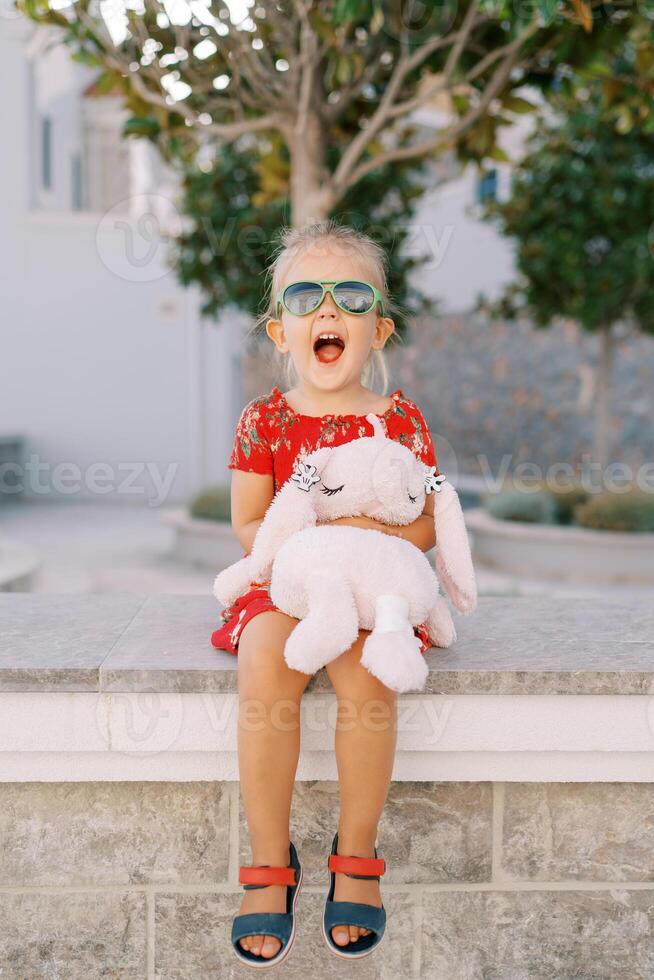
point(485, 881)
point(498, 389)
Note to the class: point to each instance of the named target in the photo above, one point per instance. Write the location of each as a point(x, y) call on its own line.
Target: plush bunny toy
point(338, 579)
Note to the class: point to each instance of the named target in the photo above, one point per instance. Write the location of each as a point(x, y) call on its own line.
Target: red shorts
point(256, 600)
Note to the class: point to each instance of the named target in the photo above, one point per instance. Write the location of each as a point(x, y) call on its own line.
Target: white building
point(465, 255)
point(118, 387)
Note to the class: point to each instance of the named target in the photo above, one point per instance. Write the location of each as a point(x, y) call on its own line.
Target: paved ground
point(122, 548)
point(101, 548)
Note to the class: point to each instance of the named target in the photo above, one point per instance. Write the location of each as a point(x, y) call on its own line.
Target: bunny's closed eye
point(330, 491)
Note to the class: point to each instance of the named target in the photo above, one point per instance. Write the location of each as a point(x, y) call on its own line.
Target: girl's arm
point(251, 494)
point(420, 532)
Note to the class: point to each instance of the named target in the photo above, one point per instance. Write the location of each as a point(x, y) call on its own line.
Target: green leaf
point(625, 120)
point(146, 126)
point(645, 60)
point(347, 10)
point(84, 57)
point(547, 10)
point(515, 103)
point(106, 83)
point(461, 103)
point(595, 68)
point(343, 71)
point(377, 21)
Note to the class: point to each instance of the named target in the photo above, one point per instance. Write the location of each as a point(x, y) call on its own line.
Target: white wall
point(95, 367)
point(465, 254)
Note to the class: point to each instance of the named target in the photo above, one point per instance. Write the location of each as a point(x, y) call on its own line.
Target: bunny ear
point(291, 510)
point(453, 559)
point(378, 428)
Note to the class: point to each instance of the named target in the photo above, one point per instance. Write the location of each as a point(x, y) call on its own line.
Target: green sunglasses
point(350, 295)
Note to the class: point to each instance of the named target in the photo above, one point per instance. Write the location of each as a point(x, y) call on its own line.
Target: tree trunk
point(309, 200)
point(603, 421)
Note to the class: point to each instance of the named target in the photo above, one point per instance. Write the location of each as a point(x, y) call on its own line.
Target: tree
point(300, 70)
point(233, 210)
point(580, 214)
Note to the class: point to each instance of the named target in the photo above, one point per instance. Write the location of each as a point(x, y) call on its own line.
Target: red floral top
point(271, 437)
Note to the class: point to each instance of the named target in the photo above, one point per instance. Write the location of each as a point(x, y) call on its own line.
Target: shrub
point(565, 501)
point(534, 507)
point(212, 504)
point(631, 511)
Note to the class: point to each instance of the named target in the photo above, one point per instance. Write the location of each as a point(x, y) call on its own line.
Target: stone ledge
point(118, 687)
point(561, 553)
point(76, 737)
point(511, 645)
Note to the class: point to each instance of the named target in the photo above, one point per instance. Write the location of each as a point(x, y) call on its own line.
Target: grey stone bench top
point(510, 645)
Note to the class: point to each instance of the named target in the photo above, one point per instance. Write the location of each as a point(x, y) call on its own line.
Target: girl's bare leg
point(365, 741)
point(270, 693)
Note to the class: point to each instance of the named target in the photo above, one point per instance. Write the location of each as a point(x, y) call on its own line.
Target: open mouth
point(328, 348)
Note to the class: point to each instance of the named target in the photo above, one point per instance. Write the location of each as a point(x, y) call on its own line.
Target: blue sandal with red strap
point(353, 913)
point(278, 924)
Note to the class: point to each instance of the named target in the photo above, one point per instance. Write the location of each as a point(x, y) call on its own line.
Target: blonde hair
point(294, 241)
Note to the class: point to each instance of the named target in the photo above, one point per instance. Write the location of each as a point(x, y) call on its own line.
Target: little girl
point(331, 339)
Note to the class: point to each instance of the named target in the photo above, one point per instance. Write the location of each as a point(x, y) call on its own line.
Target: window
point(76, 196)
point(487, 186)
point(106, 155)
point(46, 152)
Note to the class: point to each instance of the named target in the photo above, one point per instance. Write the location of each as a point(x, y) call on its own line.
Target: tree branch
point(443, 139)
point(264, 83)
point(469, 23)
point(307, 67)
point(491, 56)
point(227, 131)
point(333, 110)
point(382, 114)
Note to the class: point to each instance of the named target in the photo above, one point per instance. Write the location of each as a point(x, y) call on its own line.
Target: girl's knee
point(261, 664)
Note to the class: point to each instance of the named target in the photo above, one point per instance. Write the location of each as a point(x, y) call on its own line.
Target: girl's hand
point(360, 522)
